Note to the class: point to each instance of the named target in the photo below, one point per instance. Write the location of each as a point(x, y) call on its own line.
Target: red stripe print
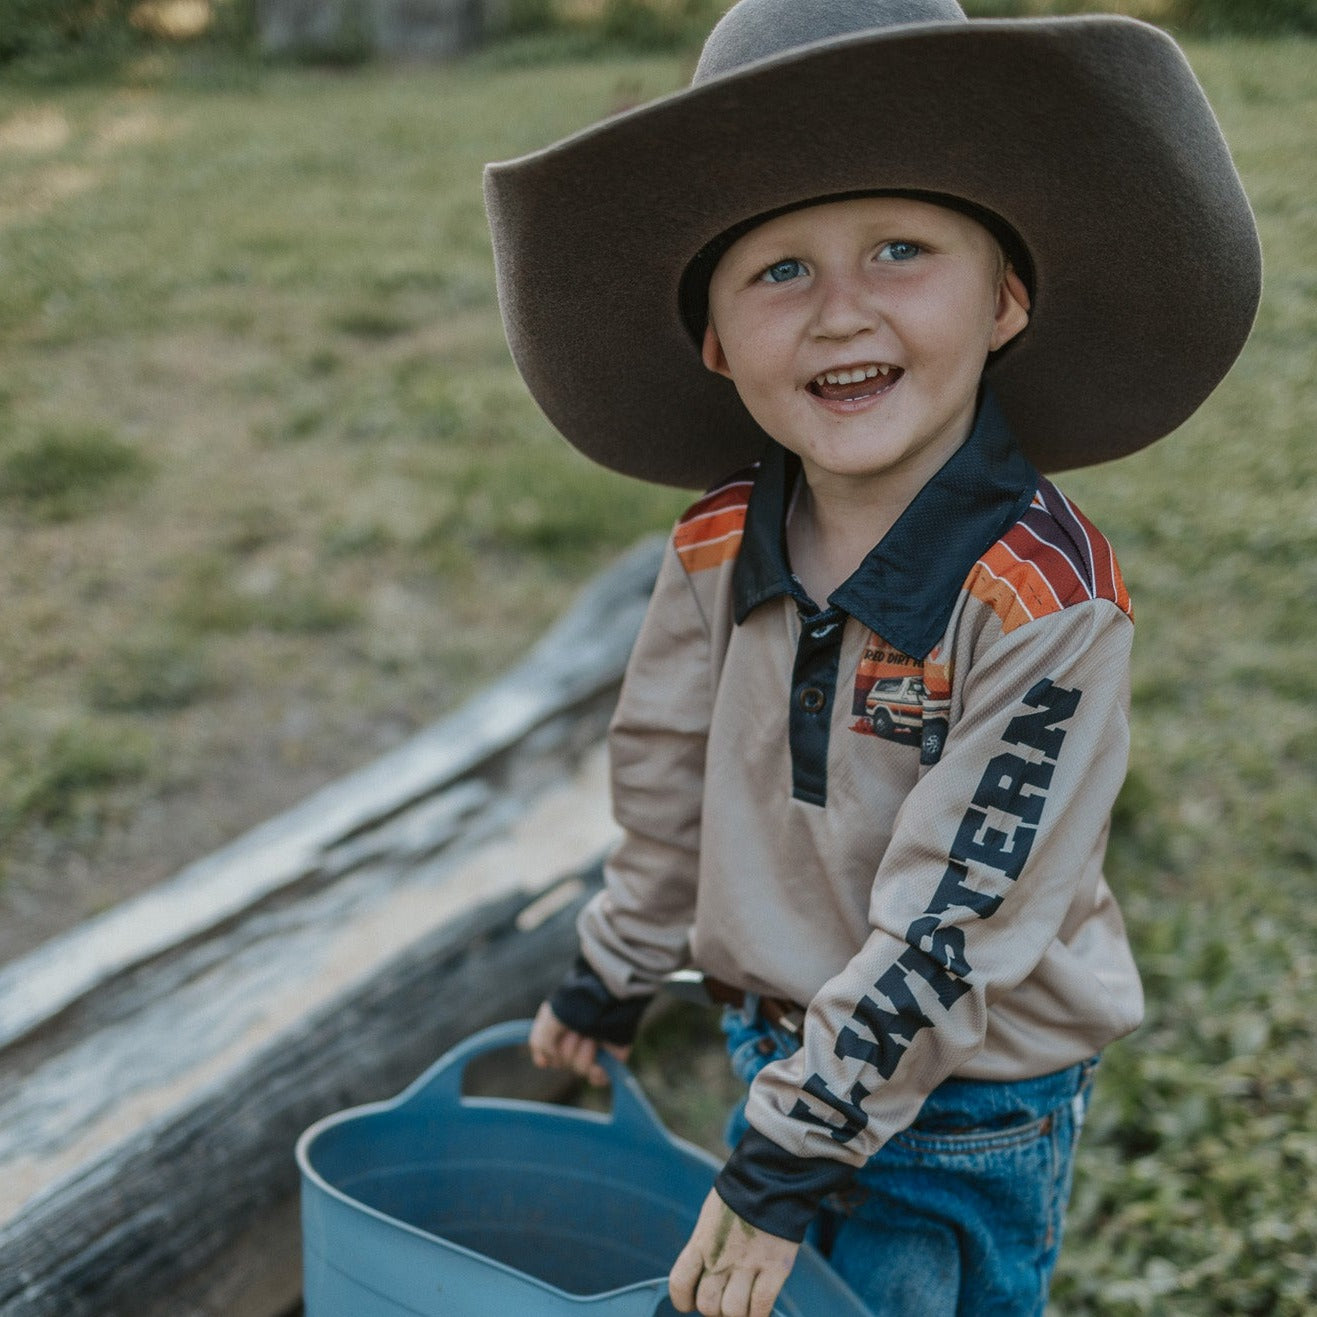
point(1029, 573)
point(1055, 566)
point(1108, 582)
point(710, 533)
point(1013, 588)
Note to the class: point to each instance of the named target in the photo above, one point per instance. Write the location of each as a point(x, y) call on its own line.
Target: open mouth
point(854, 382)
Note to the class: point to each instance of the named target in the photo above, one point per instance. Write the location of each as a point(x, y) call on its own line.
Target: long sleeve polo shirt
point(892, 808)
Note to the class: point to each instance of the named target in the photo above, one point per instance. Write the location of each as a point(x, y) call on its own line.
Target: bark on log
point(157, 1065)
point(401, 29)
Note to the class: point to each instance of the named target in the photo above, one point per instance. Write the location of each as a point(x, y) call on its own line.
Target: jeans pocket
point(1021, 1167)
point(981, 1177)
point(973, 1142)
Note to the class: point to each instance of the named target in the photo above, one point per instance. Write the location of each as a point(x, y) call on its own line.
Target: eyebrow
point(693, 288)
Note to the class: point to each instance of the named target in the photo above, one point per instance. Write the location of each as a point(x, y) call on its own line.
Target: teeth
point(852, 376)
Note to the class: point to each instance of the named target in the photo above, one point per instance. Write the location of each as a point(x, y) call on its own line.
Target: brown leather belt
point(778, 1011)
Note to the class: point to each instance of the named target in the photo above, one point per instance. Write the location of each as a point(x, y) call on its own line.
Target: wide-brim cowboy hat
point(1088, 137)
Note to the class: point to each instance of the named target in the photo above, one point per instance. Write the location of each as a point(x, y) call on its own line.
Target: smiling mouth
point(854, 382)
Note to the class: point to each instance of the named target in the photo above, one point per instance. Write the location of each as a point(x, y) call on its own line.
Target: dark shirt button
point(812, 699)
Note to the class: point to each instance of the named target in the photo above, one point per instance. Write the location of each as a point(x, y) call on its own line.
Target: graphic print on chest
point(902, 699)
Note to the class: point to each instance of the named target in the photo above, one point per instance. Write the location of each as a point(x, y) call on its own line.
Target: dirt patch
point(42, 190)
point(230, 767)
point(129, 126)
point(34, 130)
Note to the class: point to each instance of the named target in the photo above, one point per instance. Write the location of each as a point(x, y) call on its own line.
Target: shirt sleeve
point(985, 862)
point(637, 929)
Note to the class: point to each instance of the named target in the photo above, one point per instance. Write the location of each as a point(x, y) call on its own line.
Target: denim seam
point(976, 1141)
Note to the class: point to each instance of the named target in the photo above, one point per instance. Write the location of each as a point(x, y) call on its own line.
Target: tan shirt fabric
point(943, 910)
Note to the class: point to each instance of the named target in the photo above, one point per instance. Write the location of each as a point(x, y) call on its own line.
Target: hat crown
point(754, 30)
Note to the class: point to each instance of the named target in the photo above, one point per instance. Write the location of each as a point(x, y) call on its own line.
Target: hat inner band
point(693, 291)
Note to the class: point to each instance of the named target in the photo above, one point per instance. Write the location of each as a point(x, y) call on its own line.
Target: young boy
point(886, 264)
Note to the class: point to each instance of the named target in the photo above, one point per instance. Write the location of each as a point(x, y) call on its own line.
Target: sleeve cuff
point(775, 1191)
point(582, 1002)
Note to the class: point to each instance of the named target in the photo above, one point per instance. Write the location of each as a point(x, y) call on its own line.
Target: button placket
point(813, 687)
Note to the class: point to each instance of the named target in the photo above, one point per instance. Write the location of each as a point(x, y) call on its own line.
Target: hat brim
point(1089, 136)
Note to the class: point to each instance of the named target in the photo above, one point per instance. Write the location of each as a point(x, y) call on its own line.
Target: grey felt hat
point(1087, 138)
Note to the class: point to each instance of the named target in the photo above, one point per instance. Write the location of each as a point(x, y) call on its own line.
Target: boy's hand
point(554, 1046)
point(729, 1269)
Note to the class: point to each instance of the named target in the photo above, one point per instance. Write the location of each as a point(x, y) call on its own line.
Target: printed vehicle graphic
point(895, 702)
point(898, 709)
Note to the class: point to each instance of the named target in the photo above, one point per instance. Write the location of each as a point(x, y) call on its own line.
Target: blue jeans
point(959, 1215)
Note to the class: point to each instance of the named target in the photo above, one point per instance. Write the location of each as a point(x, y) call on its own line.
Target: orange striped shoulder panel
point(1051, 558)
point(709, 534)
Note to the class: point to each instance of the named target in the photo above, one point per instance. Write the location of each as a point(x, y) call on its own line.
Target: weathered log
point(157, 1065)
point(405, 29)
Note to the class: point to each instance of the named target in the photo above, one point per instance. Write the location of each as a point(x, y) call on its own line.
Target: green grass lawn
point(271, 497)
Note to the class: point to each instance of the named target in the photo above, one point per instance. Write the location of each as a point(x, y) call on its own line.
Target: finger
point(545, 1036)
point(542, 1053)
point(709, 1294)
point(623, 1054)
point(587, 1063)
point(684, 1277)
point(736, 1296)
point(581, 1053)
point(763, 1294)
point(567, 1048)
point(598, 1075)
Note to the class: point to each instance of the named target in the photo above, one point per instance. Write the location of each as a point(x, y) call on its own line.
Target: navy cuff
point(582, 1002)
point(775, 1191)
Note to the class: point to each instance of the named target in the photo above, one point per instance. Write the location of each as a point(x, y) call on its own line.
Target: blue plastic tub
point(434, 1203)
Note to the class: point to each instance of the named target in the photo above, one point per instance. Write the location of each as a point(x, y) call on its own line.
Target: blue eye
point(781, 272)
point(898, 251)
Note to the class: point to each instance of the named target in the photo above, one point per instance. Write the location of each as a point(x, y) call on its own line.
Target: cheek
point(958, 328)
point(754, 351)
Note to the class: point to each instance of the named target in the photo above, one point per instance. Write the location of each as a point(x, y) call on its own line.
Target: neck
point(829, 536)
point(837, 521)
point(838, 518)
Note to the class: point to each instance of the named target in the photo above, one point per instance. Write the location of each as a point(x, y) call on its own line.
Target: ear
point(1012, 313)
point(711, 353)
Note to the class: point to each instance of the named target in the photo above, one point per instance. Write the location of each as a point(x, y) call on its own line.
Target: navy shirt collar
point(906, 588)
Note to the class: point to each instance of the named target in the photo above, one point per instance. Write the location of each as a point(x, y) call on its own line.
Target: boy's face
point(856, 334)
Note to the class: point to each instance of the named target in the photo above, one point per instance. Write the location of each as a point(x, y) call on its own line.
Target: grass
point(270, 492)
point(147, 676)
point(57, 474)
point(273, 498)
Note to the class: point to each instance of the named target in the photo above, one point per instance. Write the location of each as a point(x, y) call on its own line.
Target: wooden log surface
point(158, 1063)
point(407, 29)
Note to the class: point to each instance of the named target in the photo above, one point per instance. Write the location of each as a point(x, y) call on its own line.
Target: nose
point(843, 307)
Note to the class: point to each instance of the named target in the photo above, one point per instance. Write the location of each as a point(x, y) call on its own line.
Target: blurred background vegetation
point(272, 498)
point(63, 39)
